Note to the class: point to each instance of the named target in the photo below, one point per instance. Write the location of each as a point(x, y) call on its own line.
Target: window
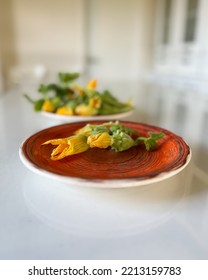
point(191, 19)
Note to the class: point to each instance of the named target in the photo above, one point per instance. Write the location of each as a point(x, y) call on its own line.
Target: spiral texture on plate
point(96, 163)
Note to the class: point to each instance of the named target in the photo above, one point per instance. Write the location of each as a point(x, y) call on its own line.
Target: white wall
point(1, 79)
point(116, 36)
point(7, 46)
point(120, 37)
point(1, 74)
point(48, 32)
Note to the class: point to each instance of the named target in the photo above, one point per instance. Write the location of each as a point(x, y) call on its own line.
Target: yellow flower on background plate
point(86, 110)
point(95, 102)
point(48, 106)
point(64, 110)
point(92, 84)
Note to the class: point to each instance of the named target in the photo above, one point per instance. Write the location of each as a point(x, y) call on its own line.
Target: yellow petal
point(56, 141)
point(48, 106)
point(92, 84)
point(64, 110)
point(95, 102)
point(86, 110)
point(68, 146)
point(86, 130)
point(58, 149)
point(100, 140)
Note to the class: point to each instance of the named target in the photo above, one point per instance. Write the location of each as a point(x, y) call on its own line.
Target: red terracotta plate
point(135, 164)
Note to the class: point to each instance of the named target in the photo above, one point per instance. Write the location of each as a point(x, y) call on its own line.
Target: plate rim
point(86, 118)
point(104, 183)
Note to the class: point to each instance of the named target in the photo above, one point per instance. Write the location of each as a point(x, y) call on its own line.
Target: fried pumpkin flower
point(100, 140)
point(68, 146)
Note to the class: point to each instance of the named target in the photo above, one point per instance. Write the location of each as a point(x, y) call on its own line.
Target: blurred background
point(153, 50)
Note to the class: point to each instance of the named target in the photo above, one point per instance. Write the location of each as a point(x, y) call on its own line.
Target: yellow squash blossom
point(86, 130)
point(86, 110)
point(64, 110)
point(95, 102)
point(90, 109)
point(90, 129)
point(100, 140)
point(48, 106)
point(92, 84)
point(68, 146)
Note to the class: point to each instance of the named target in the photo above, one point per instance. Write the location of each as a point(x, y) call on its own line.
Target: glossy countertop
point(44, 219)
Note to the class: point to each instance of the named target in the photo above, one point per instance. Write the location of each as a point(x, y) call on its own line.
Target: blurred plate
point(103, 167)
point(64, 118)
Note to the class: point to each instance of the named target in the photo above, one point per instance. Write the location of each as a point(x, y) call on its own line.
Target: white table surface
point(44, 219)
